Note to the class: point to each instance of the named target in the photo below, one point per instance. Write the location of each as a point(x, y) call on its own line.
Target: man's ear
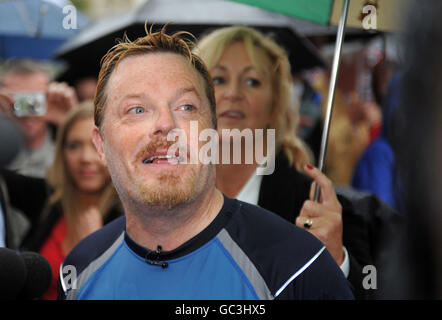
point(98, 143)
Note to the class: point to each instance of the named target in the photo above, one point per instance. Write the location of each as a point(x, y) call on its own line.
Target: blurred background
point(70, 37)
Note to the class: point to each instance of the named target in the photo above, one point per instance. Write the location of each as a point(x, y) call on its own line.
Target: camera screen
point(29, 104)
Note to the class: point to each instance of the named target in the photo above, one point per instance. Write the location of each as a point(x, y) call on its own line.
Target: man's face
point(147, 96)
point(34, 127)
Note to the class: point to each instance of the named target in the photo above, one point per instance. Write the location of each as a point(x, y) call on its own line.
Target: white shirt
point(250, 194)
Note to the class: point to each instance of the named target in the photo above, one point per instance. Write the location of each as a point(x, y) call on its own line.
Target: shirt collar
point(250, 192)
point(192, 244)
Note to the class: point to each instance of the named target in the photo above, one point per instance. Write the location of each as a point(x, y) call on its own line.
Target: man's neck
point(170, 228)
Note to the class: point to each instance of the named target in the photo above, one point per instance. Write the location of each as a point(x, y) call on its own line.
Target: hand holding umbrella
point(323, 218)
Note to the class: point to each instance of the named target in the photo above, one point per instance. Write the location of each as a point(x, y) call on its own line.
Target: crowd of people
point(93, 184)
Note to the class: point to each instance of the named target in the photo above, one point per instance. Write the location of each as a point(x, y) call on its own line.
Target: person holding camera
point(35, 103)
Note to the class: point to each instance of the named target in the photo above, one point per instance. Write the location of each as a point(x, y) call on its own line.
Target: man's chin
point(166, 200)
point(168, 191)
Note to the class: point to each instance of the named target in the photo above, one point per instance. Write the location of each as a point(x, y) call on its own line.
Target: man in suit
point(13, 225)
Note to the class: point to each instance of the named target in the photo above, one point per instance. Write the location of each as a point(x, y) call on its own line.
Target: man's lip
point(232, 114)
point(162, 156)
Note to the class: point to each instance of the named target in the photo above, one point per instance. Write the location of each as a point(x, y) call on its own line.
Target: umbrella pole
point(332, 90)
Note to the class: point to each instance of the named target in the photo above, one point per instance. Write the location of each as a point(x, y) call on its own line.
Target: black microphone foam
point(39, 275)
point(12, 274)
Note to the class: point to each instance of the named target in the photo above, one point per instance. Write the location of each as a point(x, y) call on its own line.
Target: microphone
point(39, 276)
point(23, 276)
point(12, 274)
point(153, 256)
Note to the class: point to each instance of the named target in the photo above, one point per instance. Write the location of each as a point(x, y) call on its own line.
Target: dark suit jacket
point(284, 193)
point(5, 211)
point(16, 224)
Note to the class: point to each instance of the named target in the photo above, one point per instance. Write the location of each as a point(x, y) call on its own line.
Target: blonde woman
point(251, 74)
point(76, 199)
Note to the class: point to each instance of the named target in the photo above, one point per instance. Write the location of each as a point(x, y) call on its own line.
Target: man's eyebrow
point(182, 91)
point(132, 96)
point(178, 94)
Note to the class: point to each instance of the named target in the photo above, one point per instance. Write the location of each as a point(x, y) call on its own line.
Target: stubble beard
point(168, 191)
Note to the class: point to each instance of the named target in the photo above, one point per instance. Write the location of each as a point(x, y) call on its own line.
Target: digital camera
point(29, 104)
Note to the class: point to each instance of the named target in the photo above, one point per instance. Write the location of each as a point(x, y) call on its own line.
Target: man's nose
point(165, 121)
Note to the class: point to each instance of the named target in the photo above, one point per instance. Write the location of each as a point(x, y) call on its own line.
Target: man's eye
point(187, 107)
point(253, 82)
point(218, 80)
point(136, 110)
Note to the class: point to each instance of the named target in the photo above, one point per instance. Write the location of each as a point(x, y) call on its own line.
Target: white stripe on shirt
point(293, 277)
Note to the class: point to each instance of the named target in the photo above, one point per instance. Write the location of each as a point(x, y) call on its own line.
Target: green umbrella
point(317, 11)
point(363, 14)
point(328, 12)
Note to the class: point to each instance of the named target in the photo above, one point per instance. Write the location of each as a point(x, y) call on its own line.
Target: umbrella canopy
point(329, 11)
point(34, 28)
point(196, 16)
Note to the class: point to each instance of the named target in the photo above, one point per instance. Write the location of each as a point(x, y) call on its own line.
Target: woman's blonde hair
point(59, 177)
point(285, 113)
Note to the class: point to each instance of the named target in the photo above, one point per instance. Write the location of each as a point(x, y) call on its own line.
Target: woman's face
point(82, 160)
point(243, 92)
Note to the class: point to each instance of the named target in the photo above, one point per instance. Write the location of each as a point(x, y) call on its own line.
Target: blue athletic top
point(245, 253)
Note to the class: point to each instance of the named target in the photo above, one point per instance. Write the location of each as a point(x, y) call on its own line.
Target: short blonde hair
point(59, 177)
point(284, 110)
